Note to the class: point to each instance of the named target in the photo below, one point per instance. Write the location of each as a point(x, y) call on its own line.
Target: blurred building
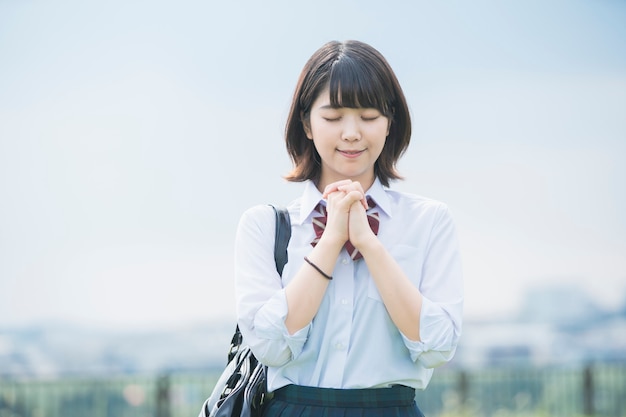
point(556, 326)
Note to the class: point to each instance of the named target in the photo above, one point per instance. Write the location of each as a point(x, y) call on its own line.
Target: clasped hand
point(346, 210)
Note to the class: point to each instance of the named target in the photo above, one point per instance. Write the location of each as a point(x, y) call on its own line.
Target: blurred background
point(134, 134)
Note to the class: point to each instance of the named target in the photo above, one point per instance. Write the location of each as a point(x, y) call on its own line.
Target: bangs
point(357, 86)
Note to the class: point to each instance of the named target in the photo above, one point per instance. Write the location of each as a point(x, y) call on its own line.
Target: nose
point(351, 129)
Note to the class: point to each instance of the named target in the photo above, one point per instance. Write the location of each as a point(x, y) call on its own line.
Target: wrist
point(331, 242)
point(370, 246)
point(318, 269)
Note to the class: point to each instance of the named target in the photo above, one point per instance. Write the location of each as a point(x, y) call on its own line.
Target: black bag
point(240, 390)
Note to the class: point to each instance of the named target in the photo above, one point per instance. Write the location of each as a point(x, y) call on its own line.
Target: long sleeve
point(261, 303)
point(441, 286)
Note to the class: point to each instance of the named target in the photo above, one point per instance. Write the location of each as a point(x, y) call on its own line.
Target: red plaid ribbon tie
point(319, 224)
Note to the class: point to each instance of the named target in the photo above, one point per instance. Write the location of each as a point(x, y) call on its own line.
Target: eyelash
point(365, 119)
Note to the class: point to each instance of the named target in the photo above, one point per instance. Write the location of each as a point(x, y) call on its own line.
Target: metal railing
point(597, 390)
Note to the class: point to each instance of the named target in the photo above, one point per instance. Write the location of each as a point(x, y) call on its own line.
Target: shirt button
point(339, 346)
point(344, 261)
point(344, 301)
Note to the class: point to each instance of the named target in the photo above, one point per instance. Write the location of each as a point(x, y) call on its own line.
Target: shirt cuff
point(270, 324)
point(438, 336)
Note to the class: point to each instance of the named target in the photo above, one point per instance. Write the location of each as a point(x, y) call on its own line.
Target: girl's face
point(349, 140)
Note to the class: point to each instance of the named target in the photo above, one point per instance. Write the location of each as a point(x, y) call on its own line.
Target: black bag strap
point(281, 241)
point(282, 236)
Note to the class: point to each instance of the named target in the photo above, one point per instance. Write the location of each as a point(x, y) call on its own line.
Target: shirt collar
point(312, 196)
point(379, 194)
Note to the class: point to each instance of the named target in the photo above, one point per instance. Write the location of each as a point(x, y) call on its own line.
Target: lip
point(351, 153)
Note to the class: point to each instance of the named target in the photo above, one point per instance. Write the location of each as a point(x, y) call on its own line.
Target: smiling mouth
point(350, 154)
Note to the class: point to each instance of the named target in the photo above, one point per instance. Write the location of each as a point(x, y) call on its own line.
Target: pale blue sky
point(123, 123)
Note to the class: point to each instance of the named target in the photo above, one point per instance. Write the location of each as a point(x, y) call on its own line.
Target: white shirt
point(351, 342)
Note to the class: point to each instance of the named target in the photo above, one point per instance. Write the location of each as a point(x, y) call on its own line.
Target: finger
point(356, 187)
point(356, 210)
point(341, 201)
point(346, 195)
point(355, 196)
point(358, 226)
point(334, 196)
point(332, 187)
point(353, 186)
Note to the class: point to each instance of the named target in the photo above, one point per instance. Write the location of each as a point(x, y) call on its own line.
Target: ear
point(306, 125)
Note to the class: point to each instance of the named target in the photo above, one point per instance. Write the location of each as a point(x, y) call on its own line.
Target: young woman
point(370, 300)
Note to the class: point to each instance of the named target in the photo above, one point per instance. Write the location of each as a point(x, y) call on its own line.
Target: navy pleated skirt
point(299, 401)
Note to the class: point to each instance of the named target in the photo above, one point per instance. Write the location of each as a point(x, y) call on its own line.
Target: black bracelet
point(317, 268)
